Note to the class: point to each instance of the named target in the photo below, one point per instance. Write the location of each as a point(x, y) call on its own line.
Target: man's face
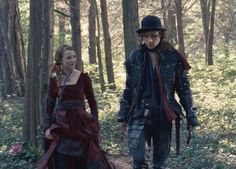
point(151, 39)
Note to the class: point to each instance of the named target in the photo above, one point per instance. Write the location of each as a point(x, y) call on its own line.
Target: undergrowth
point(213, 144)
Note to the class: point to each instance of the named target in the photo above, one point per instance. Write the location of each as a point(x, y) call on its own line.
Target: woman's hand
point(48, 134)
point(55, 69)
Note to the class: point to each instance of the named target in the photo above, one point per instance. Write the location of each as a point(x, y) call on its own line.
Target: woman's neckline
point(76, 81)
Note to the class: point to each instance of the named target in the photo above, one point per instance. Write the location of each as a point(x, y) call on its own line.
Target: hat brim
point(141, 30)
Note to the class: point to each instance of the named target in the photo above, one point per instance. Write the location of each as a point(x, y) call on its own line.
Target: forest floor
point(11, 126)
point(211, 150)
point(213, 144)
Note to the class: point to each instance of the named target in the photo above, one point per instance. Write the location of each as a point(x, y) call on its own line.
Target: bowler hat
point(150, 22)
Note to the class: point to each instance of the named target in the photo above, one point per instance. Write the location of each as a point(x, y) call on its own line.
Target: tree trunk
point(32, 107)
point(130, 24)
point(107, 45)
point(227, 36)
point(76, 30)
point(178, 4)
point(99, 55)
point(92, 32)
point(100, 65)
point(205, 21)
point(20, 55)
point(208, 18)
point(211, 34)
point(45, 53)
point(12, 63)
point(9, 73)
point(171, 22)
point(164, 13)
point(62, 31)
point(5, 75)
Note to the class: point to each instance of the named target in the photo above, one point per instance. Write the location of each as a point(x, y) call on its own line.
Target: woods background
point(103, 33)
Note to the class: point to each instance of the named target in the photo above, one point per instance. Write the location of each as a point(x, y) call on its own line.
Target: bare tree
point(99, 55)
point(92, 31)
point(12, 54)
point(169, 20)
point(211, 34)
point(178, 5)
point(130, 24)
point(32, 107)
point(62, 31)
point(227, 36)
point(208, 25)
point(47, 17)
point(76, 30)
point(107, 44)
point(100, 65)
point(164, 13)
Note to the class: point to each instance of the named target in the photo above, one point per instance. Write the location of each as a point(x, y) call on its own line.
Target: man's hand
point(192, 123)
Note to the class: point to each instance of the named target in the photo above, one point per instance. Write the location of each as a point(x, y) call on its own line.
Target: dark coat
point(174, 78)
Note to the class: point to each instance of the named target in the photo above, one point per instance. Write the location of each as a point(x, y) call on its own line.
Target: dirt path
point(122, 161)
point(125, 162)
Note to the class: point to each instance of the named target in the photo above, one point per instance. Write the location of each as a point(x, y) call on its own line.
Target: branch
point(62, 13)
point(190, 6)
point(232, 22)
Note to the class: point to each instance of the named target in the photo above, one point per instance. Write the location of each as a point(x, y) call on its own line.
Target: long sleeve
point(185, 95)
point(183, 90)
point(51, 100)
point(89, 94)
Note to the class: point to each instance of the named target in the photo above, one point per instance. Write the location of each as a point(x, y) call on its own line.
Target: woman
point(70, 131)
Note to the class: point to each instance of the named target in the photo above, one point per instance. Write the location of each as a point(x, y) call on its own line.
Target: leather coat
point(174, 80)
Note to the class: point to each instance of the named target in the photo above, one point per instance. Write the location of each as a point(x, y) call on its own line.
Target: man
point(155, 71)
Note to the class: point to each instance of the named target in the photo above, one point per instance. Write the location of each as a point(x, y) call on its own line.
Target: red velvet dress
point(78, 129)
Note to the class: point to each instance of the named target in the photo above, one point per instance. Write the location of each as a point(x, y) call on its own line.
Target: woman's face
point(69, 59)
point(151, 39)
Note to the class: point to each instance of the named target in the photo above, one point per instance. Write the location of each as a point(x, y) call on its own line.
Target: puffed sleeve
point(89, 94)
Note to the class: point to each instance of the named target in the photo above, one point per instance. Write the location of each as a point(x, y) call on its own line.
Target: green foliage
point(25, 159)
point(213, 145)
point(214, 92)
point(24, 20)
point(108, 107)
point(13, 152)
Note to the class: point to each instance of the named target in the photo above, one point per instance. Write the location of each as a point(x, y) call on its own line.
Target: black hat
point(150, 22)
